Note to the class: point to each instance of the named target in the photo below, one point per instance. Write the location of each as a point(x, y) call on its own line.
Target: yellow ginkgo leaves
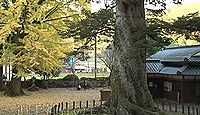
point(29, 34)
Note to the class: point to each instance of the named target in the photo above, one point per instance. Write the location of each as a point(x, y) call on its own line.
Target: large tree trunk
point(14, 86)
point(130, 94)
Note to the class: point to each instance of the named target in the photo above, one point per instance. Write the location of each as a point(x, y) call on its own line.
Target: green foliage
point(95, 79)
point(55, 73)
point(94, 82)
point(102, 78)
point(161, 33)
point(92, 25)
point(103, 23)
point(188, 26)
point(95, 23)
point(71, 77)
point(157, 35)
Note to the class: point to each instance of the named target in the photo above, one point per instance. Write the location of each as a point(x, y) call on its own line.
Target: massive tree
point(130, 94)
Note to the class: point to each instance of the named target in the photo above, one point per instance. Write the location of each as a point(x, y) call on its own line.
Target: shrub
point(71, 77)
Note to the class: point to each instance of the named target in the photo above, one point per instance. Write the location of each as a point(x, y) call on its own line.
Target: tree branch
point(104, 61)
point(59, 18)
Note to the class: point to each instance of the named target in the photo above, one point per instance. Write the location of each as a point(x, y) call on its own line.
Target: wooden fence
point(75, 107)
point(61, 108)
point(186, 109)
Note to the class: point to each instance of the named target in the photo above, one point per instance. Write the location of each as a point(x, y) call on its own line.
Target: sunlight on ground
point(88, 75)
point(80, 75)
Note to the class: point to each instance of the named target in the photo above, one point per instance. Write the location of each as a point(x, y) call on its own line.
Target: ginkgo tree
point(29, 35)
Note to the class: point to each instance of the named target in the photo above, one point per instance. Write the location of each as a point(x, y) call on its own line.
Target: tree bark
point(130, 94)
point(14, 87)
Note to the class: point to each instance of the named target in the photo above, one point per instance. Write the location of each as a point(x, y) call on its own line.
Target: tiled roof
point(156, 67)
point(170, 70)
point(194, 59)
point(153, 66)
point(190, 55)
point(177, 54)
point(191, 71)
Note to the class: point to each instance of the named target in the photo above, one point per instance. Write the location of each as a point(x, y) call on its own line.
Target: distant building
point(66, 69)
point(174, 73)
point(77, 69)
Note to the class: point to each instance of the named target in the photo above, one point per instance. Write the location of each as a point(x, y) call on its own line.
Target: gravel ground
point(45, 98)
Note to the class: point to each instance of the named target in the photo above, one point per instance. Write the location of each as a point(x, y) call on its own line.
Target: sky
point(179, 10)
point(96, 7)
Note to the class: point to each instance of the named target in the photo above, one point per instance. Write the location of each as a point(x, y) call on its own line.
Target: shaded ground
point(44, 98)
point(40, 102)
